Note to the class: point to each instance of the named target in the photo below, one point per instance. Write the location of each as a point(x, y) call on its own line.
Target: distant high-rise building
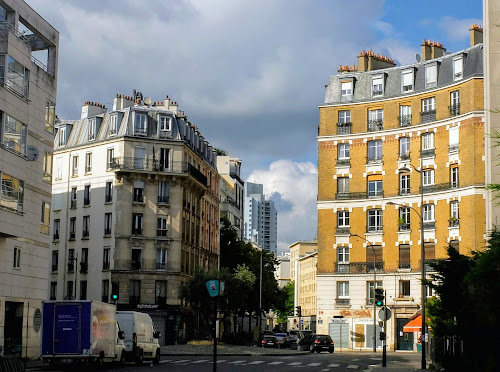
point(261, 218)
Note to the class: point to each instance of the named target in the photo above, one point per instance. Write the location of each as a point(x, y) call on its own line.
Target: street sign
point(213, 288)
point(381, 313)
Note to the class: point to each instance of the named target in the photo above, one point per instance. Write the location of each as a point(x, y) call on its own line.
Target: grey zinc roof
point(362, 80)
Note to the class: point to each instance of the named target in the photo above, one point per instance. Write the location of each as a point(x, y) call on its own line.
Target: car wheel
point(318, 351)
point(140, 358)
point(156, 360)
point(311, 349)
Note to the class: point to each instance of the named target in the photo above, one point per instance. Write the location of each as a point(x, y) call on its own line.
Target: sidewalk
point(226, 350)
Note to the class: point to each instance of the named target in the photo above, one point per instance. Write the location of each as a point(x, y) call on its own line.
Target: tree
point(287, 294)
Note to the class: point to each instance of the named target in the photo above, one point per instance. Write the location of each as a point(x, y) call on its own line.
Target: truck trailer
point(80, 332)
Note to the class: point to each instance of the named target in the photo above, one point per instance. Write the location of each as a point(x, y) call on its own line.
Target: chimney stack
point(122, 101)
point(368, 61)
point(476, 34)
point(91, 109)
point(432, 49)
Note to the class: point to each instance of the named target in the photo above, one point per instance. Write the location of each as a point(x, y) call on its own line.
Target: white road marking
point(313, 364)
point(199, 361)
point(256, 362)
point(237, 361)
point(180, 361)
point(294, 363)
point(165, 361)
point(275, 363)
point(333, 365)
point(353, 366)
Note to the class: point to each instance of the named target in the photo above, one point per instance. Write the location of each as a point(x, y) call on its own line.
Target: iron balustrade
point(435, 188)
point(56, 236)
point(404, 120)
point(453, 148)
point(375, 125)
point(343, 162)
point(163, 199)
point(72, 235)
point(342, 231)
point(107, 231)
point(404, 156)
point(429, 225)
point(454, 109)
point(428, 153)
point(73, 203)
point(404, 227)
point(374, 160)
point(343, 301)
point(161, 266)
point(344, 128)
point(350, 195)
point(427, 116)
point(404, 265)
point(85, 234)
point(71, 267)
point(454, 222)
point(84, 267)
point(105, 265)
point(371, 229)
point(54, 267)
point(360, 267)
point(375, 194)
point(343, 267)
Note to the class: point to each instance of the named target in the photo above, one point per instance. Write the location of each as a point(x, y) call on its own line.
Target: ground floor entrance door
point(13, 328)
point(404, 339)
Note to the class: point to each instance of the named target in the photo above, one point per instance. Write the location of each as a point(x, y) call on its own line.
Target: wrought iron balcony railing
point(454, 109)
point(405, 156)
point(375, 229)
point(375, 125)
point(343, 231)
point(342, 301)
point(344, 128)
point(453, 148)
point(359, 267)
point(105, 265)
point(404, 227)
point(161, 266)
point(163, 199)
point(454, 222)
point(350, 195)
point(404, 120)
point(84, 267)
point(404, 265)
point(428, 153)
point(429, 225)
point(343, 162)
point(427, 116)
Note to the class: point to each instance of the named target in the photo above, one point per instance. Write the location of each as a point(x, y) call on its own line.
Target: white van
point(141, 339)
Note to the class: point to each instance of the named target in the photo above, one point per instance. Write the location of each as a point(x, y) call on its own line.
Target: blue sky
point(249, 74)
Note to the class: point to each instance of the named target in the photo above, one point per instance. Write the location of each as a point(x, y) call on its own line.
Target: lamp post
point(423, 293)
point(374, 286)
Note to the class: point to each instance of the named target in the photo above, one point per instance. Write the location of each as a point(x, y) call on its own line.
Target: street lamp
point(423, 293)
point(374, 286)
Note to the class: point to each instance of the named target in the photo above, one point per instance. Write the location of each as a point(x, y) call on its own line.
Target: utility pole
point(384, 341)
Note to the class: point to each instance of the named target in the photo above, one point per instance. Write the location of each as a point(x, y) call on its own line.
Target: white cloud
point(297, 184)
point(457, 29)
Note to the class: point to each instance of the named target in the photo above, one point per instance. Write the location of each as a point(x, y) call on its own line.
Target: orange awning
point(414, 325)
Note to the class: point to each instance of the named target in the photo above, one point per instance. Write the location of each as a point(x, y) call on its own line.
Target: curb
point(236, 354)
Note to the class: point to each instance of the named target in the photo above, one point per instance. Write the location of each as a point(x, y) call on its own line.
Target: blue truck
point(80, 332)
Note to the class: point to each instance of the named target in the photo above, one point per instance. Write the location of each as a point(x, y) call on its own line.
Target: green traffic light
point(115, 297)
point(379, 303)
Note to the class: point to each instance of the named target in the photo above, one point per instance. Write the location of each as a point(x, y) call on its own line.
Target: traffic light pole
point(384, 345)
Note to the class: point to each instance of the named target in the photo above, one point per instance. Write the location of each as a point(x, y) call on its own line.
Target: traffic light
point(379, 296)
point(382, 336)
point(115, 290)
point(298, 311)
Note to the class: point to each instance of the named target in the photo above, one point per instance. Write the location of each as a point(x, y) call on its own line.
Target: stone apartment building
point(383, 130)
point(135, 208)
point(27, 113)
point(232, 189)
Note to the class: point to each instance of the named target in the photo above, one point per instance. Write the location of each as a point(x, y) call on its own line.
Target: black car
point(320, 343)
point(270, 341)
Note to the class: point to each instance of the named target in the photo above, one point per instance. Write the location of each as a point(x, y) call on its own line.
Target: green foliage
point(220, 152)
point(287, 294)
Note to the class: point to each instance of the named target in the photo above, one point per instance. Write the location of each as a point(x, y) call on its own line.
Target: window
point(71, 260)
point(430, 76)
point(84, 261)
point(72, 228)
point(375, 186)
point(58, 168)
point(343, 219)
point(428, 141)
point(135, 291)
point(404, 256)
point(371, 291)
point(429, 251)
point(404, 148)
point(428, 113)
point(404, 219)
point(137, 224)
point(110, 158)
point(453, 139)
point(454, 216)
point(17, 258)
point(139, 157)
point(344, 116)
point(377, 85)
point(92, 129)
point(12, 193)
point(50, 116)
point(136, 261)
point(163, 192)
point(374, 220)
point(454, 177)
point(374, 256)
point(108, 196)
point(83, 290)
point(455, 244)
point(458, 65)
point(407, 81)
point(62, 136)
point(69, 290)
point(164, 122)
point(404, 288)
point(161, 292)
point(139, 191)
point(45, 217)
point(47, 166)
point(86, 227)
point(56, 227)
point(113, 124)
point(342, 289)
point(55, 260)
point(343, 254)
point(344, 151)
point(105, 290)
point(428, 177)
point(374, 150)
point(404, 183)
point(161, 226)
point(141, 124)
point(108, 219)
point(346, 91)
point(375, 120)
point(161, 259)
point(53, 291)
point(164, 155)
point(17, 78)
point(343, 185)
point(428, 213)
point(73, 197)
point(88, 162)
point(74, 172)
point(404, 115)
point(105, 258)
point(13, 134)
point(455, 103)
point(86, 196)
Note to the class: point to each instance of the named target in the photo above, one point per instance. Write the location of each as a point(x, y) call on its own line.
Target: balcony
point(377, 92)
point(73, 204)
point(56, 236)
point(197, 175)
point(453, 148)
point(344, 128)
point(161, 266)
point(428, 153)
point(427, 116)
point(454, 109)
point(454, 222)
point(435, 188)
point(375, 194)
point(136, 231)
point(72, 235)
point(138, 198)
point(86, 202)
point(429, 225)
point(404, 120)
point(374, 160)
point(405, 156)
point(404, 227)
point(404, 191)
point(107, 231)
point(359, 267)
point(108, 198)
point(404, 265)
point(54, 268)
point(71, 267)
point(350, 195)
point(375, 125)
point(84, 267)
point(343, 162)
point(454, 185)
point(343, 231)
point(374, 229)
point(343, 301)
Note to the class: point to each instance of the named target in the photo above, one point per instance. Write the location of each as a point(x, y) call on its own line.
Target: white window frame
point(376, 146)
point(110, 155)
point(88, 162)
point(343, 219)
point(108, 192)
point(428, 141)
point(454, 209)
point(343, 185)
point(455, 98)
point(458, 68)
point(377, 85)
point(343, 289)
point(428, 104)
point(429, 215)
point(161, 258)
point(344, 116)
point(454, 177)
point(344, 151)
point(162, 226)
point(140, 124)
point(404, 146)
point(453, 136)
point(343, 255)
point(108, 223)
point(62, 136)
point(113, 124)
point(375, 187)
point(74, 165)
point(376, 114)
point(405, 110)
point(405, 76)
point(163, 192)
point(428, 177)
point(431, 75)
point(405, 214)
point(345, 90)
point(138, 219)
point(404, 183)
point(376, 216)
point(164, 123)
point(92, 129)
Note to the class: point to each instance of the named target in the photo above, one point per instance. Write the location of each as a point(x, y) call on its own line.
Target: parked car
point(320, 343)
point(270, 341)
point(293, 335)
point(304, 341)
point(282, 339)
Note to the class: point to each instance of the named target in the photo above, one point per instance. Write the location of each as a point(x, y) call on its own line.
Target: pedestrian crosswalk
point(326, 366)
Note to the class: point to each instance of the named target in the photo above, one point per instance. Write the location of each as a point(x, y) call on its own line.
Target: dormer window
point(62, 136)
point(92, 129)
point(346, 91)
point(458, 68)
point(113, 125)
point(165, 123)
point(377, 85)
point(141, 124)
point(407, 81)
point(431, 76)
